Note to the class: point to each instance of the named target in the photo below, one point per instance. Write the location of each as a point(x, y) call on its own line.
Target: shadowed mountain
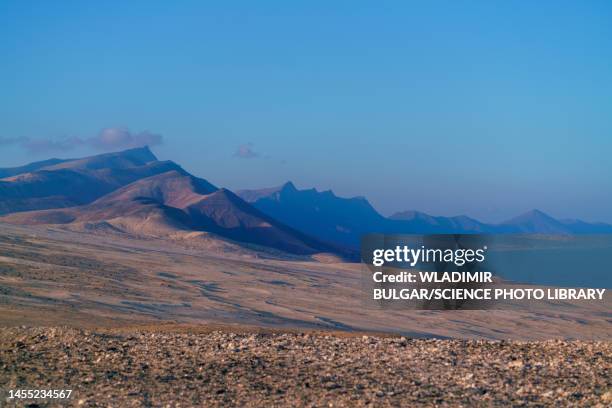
point(173, 202)
point(74, 182)
point(581, 227)
point(425, 223)
point(531, 222)
point(320, 214)
point(536, 221)
point(344, 220)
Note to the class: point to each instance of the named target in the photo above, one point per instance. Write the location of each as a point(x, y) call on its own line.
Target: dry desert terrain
point(195, 321)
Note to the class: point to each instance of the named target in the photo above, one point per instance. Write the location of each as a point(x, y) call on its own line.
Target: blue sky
point(488, 108)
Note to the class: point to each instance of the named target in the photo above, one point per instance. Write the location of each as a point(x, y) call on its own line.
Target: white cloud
point(115, 138)
point(122, 138)
point(245, 151)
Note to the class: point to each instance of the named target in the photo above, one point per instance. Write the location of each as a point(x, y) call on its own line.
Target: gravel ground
point(221, 368)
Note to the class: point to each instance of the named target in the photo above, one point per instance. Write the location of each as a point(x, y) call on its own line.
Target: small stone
point(515, 364)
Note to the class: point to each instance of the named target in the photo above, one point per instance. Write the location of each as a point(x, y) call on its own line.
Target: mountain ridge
point(172, 202)
point(322, 214)
point(139, 193)
point(280, 202)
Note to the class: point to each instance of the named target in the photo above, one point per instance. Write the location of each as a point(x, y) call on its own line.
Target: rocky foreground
point(222, 368)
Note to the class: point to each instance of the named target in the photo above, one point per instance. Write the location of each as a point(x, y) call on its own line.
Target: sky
point(484, 108)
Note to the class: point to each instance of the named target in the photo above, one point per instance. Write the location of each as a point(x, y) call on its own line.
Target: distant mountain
point(175, 201)
point(535, 221)
point(344, 220)
point(418, 221)
point(13, 171)
point(126, 159)
point(67, 183)
point(133, 191)
point(321, 214)
point(581, 227)
point(531, 222)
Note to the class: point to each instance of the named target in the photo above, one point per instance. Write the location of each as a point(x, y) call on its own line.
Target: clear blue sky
point(488, 108)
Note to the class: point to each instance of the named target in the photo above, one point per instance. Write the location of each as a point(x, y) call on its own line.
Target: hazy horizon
point(487, 109)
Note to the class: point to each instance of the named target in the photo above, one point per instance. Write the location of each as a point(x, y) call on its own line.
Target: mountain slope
point(581, 227)
point(125, 159)
point(535, 221)
point(175, 201)
point(28, 168)
point(320, 214)
point(77, 182)
point(344, 220)
point(424, 223)
point(133, 191)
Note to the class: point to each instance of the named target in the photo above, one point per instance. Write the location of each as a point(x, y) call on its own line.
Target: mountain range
point(345, 220)
point(132, 191)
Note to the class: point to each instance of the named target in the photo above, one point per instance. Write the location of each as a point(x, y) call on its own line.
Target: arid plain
point(51, 276)
point(191, 320)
